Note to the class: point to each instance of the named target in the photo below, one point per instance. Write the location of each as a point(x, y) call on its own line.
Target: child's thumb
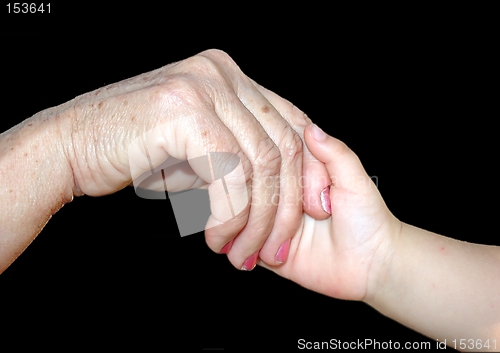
point(342, 164)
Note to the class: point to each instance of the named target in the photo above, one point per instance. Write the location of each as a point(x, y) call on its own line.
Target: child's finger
point(342, 164)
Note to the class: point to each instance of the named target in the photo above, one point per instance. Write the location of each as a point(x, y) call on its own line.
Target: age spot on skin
point(99, 105)
point(265, 109)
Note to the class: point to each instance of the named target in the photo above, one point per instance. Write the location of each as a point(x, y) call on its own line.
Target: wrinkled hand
point(342, 256)
point(190, 109)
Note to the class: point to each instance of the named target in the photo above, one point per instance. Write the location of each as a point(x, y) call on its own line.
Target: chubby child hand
point(341, 256)
point(442, 287)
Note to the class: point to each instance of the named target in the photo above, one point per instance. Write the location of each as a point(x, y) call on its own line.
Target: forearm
point(441, 287)
point(35, 180)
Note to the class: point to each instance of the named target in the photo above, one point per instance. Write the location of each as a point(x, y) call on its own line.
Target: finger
point(260, 149)
point(265, 159)
point(315, 177)
point(344, 167)
point(231, 209)
point(289, 212)
point(175, 154)
point(227, 169)
point(278, 179)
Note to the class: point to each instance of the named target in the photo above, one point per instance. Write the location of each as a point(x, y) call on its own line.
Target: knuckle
point(201, 64)
point(214, 241)
point(298, 117)
point(291, 144)
point(212, 72)
point(210, 63)
point(180, 90)
point(218, 56)
point(246, 165)
point(342, 149)
point(258, 232)
point(268, 158)
point(221, 67)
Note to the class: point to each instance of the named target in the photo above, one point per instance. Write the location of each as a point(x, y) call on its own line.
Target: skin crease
point(91, 143)
point(344, 286)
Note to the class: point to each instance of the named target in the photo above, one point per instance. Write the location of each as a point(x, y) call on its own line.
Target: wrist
point(381, 271)
point(54, 129)
point(34, 155)
point(35, 179)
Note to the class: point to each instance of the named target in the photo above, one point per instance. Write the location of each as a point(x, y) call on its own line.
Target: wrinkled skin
point(100, 141)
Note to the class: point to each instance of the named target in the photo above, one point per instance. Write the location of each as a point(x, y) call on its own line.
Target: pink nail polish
point(282, 253)
point(325, 200)
point(226, 247)
point(250, 263)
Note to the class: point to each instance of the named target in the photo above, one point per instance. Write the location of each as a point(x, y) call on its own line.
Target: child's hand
point(341, 256)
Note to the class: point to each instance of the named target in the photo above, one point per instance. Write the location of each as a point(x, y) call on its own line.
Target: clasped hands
point(283, 194)
point(301, 203)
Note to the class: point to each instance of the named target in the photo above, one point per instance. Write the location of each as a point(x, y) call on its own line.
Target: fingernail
point(226, 248)
point(282, 253)
point(250, 263)
point(318, 134)
point(325, 200)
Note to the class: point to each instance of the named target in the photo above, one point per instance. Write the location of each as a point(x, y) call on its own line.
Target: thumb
point(341, 162)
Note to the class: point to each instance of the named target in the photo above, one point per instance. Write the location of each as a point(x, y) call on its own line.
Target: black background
point(415, 102)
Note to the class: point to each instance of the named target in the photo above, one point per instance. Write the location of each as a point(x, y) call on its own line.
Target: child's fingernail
point(282, 253)
point(325, 200)
point(250, 263)
point(226, 248)
point(318, 134)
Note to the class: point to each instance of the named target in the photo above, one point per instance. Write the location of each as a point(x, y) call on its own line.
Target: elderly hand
point(101, 141)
